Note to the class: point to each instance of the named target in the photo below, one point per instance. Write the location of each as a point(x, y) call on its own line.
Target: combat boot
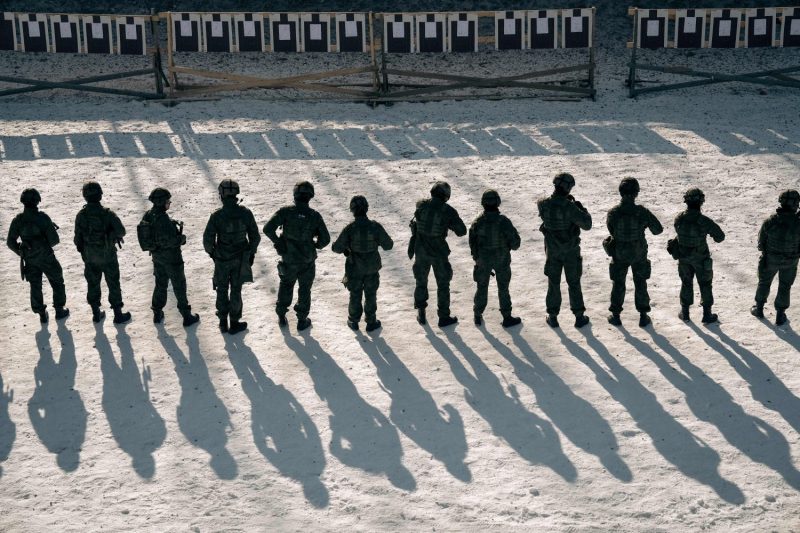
point(614, 319)
point(478, 319)
point(303, 323)
point(372, 326)
point(552, 321)
point(236, 327)
point(223, 324)
point(190, 318)
point(61, 312)
point(352, 324)
point(780, 317)
point(684, 314)
point(757, 310)
point(43, 316)
point(97, 314)
point(158, 316)
point(708, 316)
point(447, 321)
point(421, 316)
point(282, 322)
point(119, 316)
point(511, 321)
point(581, 320)
point(644, 320)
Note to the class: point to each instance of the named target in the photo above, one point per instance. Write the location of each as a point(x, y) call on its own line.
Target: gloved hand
point(280, 246)
point(346, 252)
point(183, 239)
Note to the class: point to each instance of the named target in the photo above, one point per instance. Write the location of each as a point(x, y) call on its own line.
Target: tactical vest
point(555, 214)
point(627, 225)
point(231, 229)
point(432, 219)
point(363, 237)
point(783, 235)
point(691, 233)
point(489, 231)
point(93, 225)
point(299, 224)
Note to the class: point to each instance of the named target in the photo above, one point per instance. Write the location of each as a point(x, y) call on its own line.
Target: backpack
point(95, 234)
point(146, 234)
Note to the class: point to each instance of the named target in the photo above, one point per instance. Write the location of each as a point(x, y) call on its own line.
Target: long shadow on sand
point(532, 437)
point(710, 402)
point(136, 425)
point(577, 419)
point(362, 437)
point(282, 430)
point(689, 454)
point(56, 409)
point(438, 430)
point(8, 430)
point(202, 416)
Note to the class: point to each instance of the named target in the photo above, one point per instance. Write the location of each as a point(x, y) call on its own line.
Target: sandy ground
point(157, 428)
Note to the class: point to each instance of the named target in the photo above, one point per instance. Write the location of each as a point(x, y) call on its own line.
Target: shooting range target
point(790, 36)
point(430, 32)
point(249, 32)
point(509, 30)
point(462, 32)
point(725, 28)
point(690, 28)
point(759, 27)
point(577, 30)
point(130, 36)
point(397, 28)
point(316, 32)
point(350, 32)
point(285, 32)
point(218, 32)
point(66, 34)
point(97, 34)
point(543, 28)
point(185, 32)
point(8, 32)
point(652, 28)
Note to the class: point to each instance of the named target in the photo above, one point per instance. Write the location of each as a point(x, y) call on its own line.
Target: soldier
point(303, 232)
point(627, 248)
point(428, 247)
point(98, 233)
point(492, 236)
point(231, 239)
point(563, 218)
point(694, 257)
point(32, 236)
point(359, 242)
point(163, 237)
point(779, 242)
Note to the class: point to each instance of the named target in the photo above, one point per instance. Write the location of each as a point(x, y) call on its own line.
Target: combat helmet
point(694, 196)
point(228, 189)
point(441, 189)
point(564, 181)
point(490, 199)
point(30, 197)
point(92, 191)
point(790, 199)
point(629, 187)
point(303, 191)
point(159, 196)
point(359, 205)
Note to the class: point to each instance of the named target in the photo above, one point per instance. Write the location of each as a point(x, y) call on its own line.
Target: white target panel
point(351, 35)
point(8, 31)
point(790, 31)
point(543, 28)
point(725, 28)
point(66, 35)
point(97, 34)
point(759, 28)
point(131, 38)
point(431, 28)
point(217, 32)
point(33, 27)
point(577, 28)
point(398, 30)
point(186, 29)
point(285, 32)
point(249, 32)
point(690, 28)
point(316, 34)
point(652, 28)
point(509, 30)
point(462, 32)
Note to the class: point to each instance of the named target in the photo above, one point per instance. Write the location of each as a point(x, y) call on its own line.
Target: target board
point(652, 28)
point(316, 32)
point(430, 32)
point(66, 35)
point(397, 33)
point(97, 34)
point(543, 29)
point(509, 30)
point(218, 32)
point(690, 28)
point(790, 36)
point(284, 32)
point(462, 32)
point(186, 32)
point(725, 28)
point(8, 32)
point(131, 36)
point(249, 32)
point(577, 30)
point(759, 28)
point(350, 32)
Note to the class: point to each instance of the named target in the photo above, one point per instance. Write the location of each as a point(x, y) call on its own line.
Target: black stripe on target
point(7, 33)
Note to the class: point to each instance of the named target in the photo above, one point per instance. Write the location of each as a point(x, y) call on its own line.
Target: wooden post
point(173, 78)
point(156, 53)
point(592, 57)
point(632, 66)
point(375, 80)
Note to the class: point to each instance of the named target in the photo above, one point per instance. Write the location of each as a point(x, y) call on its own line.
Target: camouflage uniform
point(360, 241)
point(779, 243)
point(694, 260)
point(38, 235)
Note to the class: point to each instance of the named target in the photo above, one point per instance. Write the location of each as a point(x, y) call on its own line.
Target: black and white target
point(652, 30)
point(350, 32)
point(316, 32)
point(462, 32)
point(131, 36)
point(8, 32)
point(66, 34)
point(97, 33)
point(218, 32)
point(34, 32)
point(509, 32)
point(430, 32)
point(759, 27)
point(398, 33)
point(543, 29)
point(790, 34)
point(725, 28)
point(186, 32)
point(285, 32)
point(577, 30)
point(690, 28)
point(249, 32)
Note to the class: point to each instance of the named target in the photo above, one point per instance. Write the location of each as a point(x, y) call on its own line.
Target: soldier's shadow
point(135, 424)
point(56, 409)
point(438, 430)
point(8, 430)
point(530, 436)
point(282, 430)
point(361, 435)
point(690, 455)
point(202, 417)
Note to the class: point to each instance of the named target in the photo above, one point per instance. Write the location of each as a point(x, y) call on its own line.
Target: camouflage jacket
point(432, 220)
point(627, 223)
point(360, 241)
point(303, 232)
point(492, 236)
point(231, 232)
point(32, 234)
point(97, 231)
point(692, 228)
point(780, 234)
point(168, 234)
point(563, 218)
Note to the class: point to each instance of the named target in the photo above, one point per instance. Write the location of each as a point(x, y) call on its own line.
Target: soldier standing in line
point(428, 247)
point(563, 218)
point(32, 236)
point(627, 248)
point(779, 243)
point(231, 239)
point(163, 237)
point(303, 232)
point(694, 258)
point(359, 242)
point(98, 233)
point(492, 236)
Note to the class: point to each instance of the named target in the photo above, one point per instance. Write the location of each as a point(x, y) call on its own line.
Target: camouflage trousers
point(228, 284)
point(443, 273)
point(572, 266)
point(618, 271)
point(363, 287)
point(482, 274)
point(785, 268)
point(702, 269)
point(166, 272)
point(94, 273)
point(290, 273)
point(50, 267)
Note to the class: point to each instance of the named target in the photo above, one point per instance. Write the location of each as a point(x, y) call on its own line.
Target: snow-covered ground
point(158, 428)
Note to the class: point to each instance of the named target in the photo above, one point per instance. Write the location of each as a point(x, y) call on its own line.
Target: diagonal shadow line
point(362, 436)
point(135, 424)
point(531, 437)
point(282, 430)
point(710, 402)
point(415, 412)
point(56, 409)
point(202, 417)
point(577, 419)
point(8, 429)
point(687, 452)
point(765, 387)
